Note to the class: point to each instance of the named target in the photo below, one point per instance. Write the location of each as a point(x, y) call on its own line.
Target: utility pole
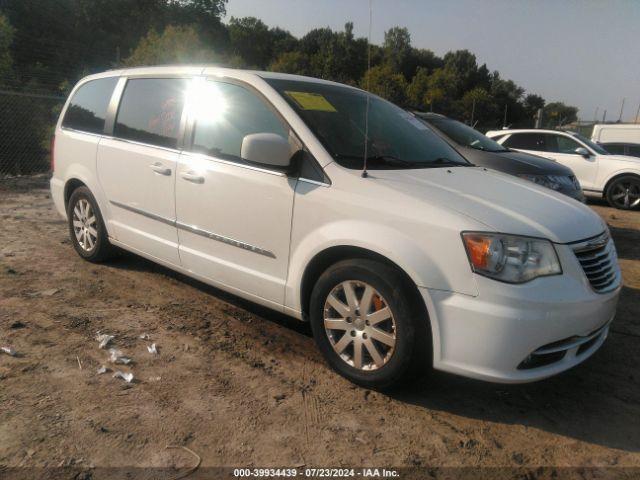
point(504, 122)
point(621, 110)
point(595, 115)
point(604, 116)
point(473, 111)
point(539, 118)
point(638, 114)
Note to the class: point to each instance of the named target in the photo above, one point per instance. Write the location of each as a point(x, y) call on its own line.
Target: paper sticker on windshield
point(312, 101)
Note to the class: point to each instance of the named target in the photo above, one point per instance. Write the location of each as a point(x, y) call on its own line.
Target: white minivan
point(257, 183)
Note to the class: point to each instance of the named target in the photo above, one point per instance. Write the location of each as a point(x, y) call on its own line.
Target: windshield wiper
point(395, 161)
point(386, 159)
point(445, 162)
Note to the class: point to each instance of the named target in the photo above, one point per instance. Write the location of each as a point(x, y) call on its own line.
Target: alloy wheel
point(360, 325)
point(85, 225)
point(625, 193)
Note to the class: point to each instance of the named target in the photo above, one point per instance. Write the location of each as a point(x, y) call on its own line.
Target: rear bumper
point(57, 194)
point(518, 333)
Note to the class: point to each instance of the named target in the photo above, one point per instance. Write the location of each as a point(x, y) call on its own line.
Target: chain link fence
point(27, 123)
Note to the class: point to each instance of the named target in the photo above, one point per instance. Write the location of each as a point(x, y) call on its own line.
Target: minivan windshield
point(337, 116)
point(464, 135)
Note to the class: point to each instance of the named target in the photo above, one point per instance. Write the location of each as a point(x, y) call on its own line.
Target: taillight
point(53, 146)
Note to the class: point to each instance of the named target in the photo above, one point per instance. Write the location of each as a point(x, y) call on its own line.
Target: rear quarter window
point(614, 148)
point(87, 109)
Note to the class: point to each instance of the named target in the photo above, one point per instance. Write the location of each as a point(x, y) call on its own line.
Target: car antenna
point(366, 114)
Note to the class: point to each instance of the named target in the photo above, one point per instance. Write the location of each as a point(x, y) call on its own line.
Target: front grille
point(599, 262)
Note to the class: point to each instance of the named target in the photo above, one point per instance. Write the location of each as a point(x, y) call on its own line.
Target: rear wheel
point(86, 227)
point(624, 192)
point(367, 324)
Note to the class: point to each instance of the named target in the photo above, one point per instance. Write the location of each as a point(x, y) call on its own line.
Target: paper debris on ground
point(103, 369)
point(104, 339)
point(145, 336)
point(152, 349)
point(116, 356)
point(50, 292)
point(9, 351)
point(127, 377)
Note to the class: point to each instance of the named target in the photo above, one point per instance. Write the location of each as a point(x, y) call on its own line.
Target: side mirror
point(266, 149)
point(583, 152)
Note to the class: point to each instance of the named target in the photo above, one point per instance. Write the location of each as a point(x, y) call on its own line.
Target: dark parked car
point(484, 152)
point(618, 148)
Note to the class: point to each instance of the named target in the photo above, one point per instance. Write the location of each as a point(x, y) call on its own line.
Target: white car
point(601, 174)
point(616, 133)
point(254, 182)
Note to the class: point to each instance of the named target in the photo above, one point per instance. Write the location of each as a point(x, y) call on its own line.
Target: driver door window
point(224, 114)
point(567, 145)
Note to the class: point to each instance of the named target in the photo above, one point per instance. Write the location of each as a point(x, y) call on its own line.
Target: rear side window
point(88, 106)
point(614, 148)
point(634, 150)
point(150, 111)
point(526, 141)
point(224, 114)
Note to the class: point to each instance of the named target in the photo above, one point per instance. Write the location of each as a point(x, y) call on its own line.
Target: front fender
point(622, 171)
point(431, 262)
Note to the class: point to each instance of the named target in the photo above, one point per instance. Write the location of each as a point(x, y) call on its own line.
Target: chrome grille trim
point(598, 259)
point(570, 343)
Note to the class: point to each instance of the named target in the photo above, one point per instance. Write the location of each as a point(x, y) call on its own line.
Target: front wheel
point(367, 324)
point(624, 192)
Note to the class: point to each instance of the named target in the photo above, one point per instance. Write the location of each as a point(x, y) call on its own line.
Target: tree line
point(47, 46)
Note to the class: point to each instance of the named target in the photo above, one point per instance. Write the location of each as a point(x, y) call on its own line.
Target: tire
point(624, 192)
point(408, 323)
point(92, 242)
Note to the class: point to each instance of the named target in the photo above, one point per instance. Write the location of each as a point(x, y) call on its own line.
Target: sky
point(582, 52)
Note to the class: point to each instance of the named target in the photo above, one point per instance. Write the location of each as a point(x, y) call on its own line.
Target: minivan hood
point(502, 202)
point(511, 161)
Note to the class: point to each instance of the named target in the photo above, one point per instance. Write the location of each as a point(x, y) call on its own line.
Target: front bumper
point(573, 193)
point(521, 333)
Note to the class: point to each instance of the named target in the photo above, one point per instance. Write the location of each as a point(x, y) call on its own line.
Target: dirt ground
point(242, 386)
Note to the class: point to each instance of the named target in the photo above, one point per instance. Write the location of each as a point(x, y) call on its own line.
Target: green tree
point(532, 103)
point(442, 86)
point(250, 38)
point(420, 58)
point(476, 106)
point(174, 45)
point(418, 89)
point(382, 80)
point(292, 62)
point(557, 114)
point(397, 48)
point(507, 96)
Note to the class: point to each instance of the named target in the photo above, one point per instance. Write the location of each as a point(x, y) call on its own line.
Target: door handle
point(160, 168)
point(192, 177)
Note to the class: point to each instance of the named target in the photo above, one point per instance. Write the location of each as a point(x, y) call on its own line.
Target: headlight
point(554, 182)
point(510, 258)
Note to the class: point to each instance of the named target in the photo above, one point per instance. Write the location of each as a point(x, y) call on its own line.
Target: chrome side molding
point(196, 230)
